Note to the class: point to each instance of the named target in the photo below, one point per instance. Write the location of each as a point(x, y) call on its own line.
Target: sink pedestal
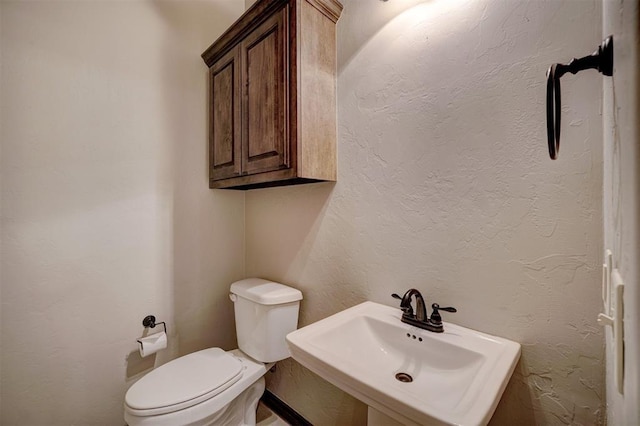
point(376, 418)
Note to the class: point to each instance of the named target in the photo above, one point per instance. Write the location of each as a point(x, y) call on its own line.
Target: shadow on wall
point(208, 226)
point(517, 395)
point(137, 366)
point(282, 251)
point(344, 409)
point(305, 205)
point(378, 16)
point(292, 250)
point(637, 133)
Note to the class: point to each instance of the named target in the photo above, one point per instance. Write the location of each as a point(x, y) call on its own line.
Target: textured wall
point(106, 214)
point(621, 120)
point(445, 185)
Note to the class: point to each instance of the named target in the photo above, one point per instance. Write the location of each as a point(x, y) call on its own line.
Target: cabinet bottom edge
point(284, 182)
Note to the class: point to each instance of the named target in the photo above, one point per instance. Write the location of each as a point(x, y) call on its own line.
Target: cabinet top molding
point(261, 10)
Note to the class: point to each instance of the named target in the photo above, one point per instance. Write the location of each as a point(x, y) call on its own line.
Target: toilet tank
point(265, 313)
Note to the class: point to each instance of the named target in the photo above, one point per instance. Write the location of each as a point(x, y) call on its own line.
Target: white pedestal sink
point(414, 376)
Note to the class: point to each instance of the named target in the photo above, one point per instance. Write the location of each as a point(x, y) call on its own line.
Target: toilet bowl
point(214, 387)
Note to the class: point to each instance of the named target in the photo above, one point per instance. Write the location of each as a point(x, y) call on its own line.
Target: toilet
point(214, 387)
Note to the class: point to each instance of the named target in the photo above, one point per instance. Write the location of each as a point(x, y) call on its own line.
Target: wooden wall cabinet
point(272, 105)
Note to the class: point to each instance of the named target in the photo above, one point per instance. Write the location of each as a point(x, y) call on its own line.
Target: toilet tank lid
point(265, 292)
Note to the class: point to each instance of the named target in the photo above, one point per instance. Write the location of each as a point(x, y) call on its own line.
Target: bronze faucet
point(420, 319)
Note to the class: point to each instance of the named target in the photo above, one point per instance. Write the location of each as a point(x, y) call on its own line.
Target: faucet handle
point(404, 306)
point(435, 315)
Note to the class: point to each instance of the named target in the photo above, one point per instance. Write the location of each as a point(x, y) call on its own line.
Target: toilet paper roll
point(152, 344)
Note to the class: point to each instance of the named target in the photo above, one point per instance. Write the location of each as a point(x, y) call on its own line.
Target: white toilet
point(214, 387)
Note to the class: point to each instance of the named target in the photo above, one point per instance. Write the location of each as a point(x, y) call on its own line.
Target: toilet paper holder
point(150, 322)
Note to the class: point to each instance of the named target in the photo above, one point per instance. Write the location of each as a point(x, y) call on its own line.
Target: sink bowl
point(411, 375)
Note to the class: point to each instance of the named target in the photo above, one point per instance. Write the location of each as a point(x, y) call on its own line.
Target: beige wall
point(106, 214)
point(445, 185)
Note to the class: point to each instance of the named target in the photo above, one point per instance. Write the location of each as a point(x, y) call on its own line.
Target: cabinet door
point(226, 132)
point(265, 108)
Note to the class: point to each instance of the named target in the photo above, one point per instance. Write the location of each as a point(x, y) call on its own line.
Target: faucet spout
point(421, 309)
point(420, 319)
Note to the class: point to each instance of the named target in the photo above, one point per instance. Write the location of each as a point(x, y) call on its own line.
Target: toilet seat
point(184, 382)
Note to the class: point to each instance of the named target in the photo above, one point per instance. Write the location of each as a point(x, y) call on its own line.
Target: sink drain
point(404, 377)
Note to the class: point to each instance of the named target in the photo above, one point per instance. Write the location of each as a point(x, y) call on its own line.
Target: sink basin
point(411, 375)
